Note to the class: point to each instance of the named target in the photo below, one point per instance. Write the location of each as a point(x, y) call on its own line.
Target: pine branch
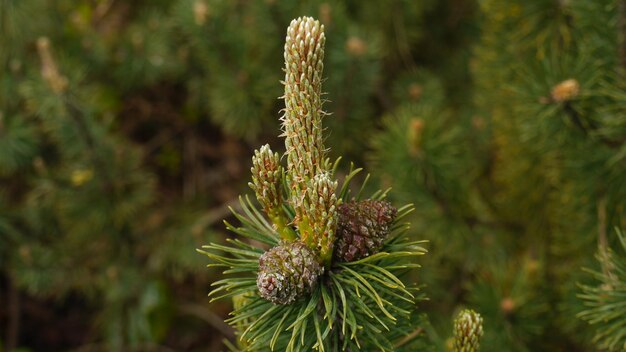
point(297, 295)
point(606, 307)
point(208, 316)
point(603, 245)
point(78, 118)
point(60, 86)
point(564, 93)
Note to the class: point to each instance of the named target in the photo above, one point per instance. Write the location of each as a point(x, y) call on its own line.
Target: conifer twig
point(60, 86)
point(215, 214)
point(77, 117)
point(409, 337)
point(603, 244)
point(208, 316)
point(602, 241)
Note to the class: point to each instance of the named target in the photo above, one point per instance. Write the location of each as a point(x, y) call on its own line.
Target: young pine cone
point(287, 272)
point(468, 329)
point(362, 228)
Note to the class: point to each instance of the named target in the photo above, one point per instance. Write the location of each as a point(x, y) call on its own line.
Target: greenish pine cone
point(362, 228)
point(266, 178)
point(287, 272)
point(468, 329)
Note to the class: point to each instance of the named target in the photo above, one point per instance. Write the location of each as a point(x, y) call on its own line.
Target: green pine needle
point(359, 304)
point(606, 302)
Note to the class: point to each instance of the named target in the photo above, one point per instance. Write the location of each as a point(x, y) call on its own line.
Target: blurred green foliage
point(126, 129)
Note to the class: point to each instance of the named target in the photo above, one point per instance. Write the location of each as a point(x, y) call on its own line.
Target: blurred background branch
point(127, 131)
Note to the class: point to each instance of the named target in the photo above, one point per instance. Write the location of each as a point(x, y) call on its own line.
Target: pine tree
point(517, 185)
point(114, 117)
point(605, 302)
point(126, 128)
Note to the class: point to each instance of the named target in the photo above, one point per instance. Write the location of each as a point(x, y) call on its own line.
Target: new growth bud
point(312, 190)
point(302, 119)
point(200, 12)
point(468, 329)
point(266, 182)
point(316, 207)
point(565, 91)
point(49, 70)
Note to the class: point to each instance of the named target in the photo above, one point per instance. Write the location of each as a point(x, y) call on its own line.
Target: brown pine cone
point(362, 228)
